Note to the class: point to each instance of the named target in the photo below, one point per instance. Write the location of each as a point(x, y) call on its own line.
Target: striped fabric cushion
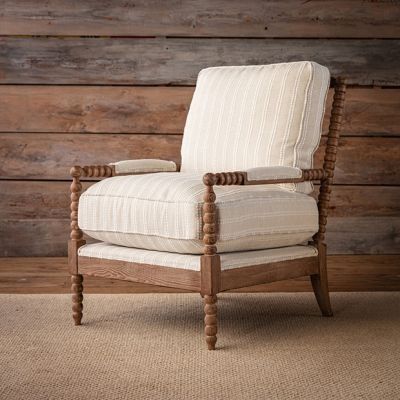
point(192, 262)
point(162, 211)
point(255, 116)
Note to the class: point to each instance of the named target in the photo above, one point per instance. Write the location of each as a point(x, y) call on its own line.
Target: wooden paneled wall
point(94, 81)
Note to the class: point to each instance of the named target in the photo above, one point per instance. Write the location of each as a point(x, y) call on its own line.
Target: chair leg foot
point(321, 291)
point(77, 298)
point(210, 309)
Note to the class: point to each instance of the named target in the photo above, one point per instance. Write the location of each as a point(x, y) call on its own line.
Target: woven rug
point(270, 346)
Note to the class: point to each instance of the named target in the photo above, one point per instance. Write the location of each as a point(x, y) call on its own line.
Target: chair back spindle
point(335, 124)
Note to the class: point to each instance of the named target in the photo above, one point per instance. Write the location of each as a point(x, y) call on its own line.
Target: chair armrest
point(264, 176)
point(123, 168)
point(260, 176)
point(143, 166)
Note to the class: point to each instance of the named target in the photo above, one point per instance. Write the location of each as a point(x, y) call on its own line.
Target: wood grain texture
point(94, 109)
point(47, 156)
point(367, 235)
point(319, 281)
point(20, 237)
point(177, 61)
point(253, 18)
point(368, 112)
point(98, 109)
point(144, 273)
point(365, 160)
point(249, 276)
point(346, 273)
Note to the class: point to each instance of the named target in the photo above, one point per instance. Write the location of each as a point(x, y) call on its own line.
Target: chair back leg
point(320, 281)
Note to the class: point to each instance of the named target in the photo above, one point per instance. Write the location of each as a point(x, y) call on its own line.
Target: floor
point(150, 346)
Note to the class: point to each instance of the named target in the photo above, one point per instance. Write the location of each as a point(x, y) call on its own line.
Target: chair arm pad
point(273, 173)
point(143, 166)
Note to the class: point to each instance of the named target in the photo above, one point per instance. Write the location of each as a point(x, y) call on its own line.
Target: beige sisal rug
point(271, 346)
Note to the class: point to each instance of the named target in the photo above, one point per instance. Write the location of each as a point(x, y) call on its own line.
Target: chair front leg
point(210, 264)
point(76, 241)
point(77, 298)
point(76, 236)
point(210, 320)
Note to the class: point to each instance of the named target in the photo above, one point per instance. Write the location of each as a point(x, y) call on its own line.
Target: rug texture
point(270, 346)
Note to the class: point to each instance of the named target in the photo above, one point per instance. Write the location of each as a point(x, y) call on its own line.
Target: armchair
point(210, 232)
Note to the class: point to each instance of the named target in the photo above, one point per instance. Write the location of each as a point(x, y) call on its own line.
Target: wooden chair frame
point(210, 280)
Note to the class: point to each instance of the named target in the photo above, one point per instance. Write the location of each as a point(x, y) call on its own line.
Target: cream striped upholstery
point(162, 211)
point(241, 118)
point(255, 116)
point(192, 262)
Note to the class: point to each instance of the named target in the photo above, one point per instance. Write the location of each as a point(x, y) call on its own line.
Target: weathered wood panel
point(346, 273)
point(94, 109)
point(22, 200)
point(47, 156)
point(363, 201)
point(99, 109)
point(370, 112)
point(253, 18)
point(365, 160)
point(162, 61)
point(366, 235)
point(33, 238)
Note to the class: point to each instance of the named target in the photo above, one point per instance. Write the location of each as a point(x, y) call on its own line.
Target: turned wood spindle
point(76, 188)
point(76, 235)
point(209, 216)
point(330, 157)
point(77, 298)
point(210, 320)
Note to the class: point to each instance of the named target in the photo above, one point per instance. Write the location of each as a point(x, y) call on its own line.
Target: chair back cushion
point(255, 116)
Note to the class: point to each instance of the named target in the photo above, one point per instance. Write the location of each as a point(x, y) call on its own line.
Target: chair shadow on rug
point(273, 316)
point(197, 228)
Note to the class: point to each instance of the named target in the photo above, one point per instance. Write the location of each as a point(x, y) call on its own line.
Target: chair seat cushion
point(238, 259)
point(163, 211)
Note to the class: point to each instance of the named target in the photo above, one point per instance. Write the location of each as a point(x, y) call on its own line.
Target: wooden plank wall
point(97, 81)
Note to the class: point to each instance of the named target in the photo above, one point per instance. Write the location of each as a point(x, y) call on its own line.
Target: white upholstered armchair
point(238, 211)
